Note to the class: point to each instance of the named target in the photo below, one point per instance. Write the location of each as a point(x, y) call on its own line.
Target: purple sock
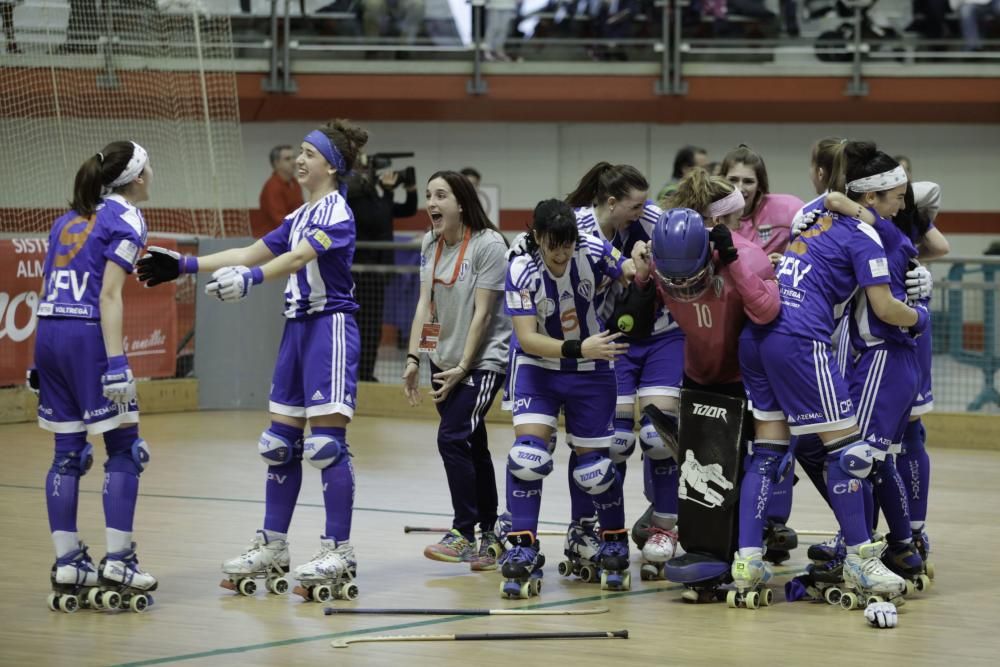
point(281, 491)
point(780, 506)
point(338, 487)
point(663, 476)
point(914, 466)
point(121, 478)
point(756, 488)
point(580, 504)
point(846, 493)
point(62, 484)
point(647, 479)
point(892, 498)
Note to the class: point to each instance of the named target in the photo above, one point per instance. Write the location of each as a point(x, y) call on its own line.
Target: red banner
point(150, 326)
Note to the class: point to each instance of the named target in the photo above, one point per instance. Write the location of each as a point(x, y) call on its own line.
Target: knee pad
point(653, 446)
point(856, 458)
point(276, 450)
point(127, 452)
point(594, 473)
point(622, 446)
point(529, 459)
point(73, 455)
point(322, 451)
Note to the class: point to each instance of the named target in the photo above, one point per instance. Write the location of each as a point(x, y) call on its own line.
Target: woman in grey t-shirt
point(459, 323)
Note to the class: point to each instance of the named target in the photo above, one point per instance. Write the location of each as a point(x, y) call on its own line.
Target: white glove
point(118, 383)
point(803, 221)
point(919, 283)
point(881, 615)
point(518, 246)
point(233, 283)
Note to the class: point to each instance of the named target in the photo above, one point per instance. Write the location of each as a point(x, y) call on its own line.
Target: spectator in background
point(499, 14)
point(281, 193)
point(7, 12)
point(473, 175)
point(686, 159)
point(392, 18)
point(371, 198)
point(971, 13)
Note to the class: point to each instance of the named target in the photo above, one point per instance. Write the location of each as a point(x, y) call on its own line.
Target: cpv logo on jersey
point(713, 411)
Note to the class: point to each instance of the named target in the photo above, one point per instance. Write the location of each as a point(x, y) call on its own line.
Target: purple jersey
point(867, 330)
point(79, 249)
point(324, 285)
point(821, 271)
point(564, 307)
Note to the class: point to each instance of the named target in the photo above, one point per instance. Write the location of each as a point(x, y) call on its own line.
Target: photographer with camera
point(371, 195)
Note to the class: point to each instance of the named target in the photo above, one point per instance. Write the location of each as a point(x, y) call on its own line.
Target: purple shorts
point(884, 386)
point(793, 378)
point(70, 357)
point(924, 402)
point(651, 367)
point(317, 368)
point(587, 398)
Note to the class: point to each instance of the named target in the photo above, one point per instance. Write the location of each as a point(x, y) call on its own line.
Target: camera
point(381, 163)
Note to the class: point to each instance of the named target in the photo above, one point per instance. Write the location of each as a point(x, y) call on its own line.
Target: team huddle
point(752, 334)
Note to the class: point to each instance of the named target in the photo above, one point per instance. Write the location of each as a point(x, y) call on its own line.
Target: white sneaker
point(661, 546)
point(332, 561)
point(122, 568)
point(864, 571)
point(260, 556)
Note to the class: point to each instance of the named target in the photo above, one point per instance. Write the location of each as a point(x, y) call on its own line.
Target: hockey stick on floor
point(425, 529)
point(329, 611)
point(517, 636)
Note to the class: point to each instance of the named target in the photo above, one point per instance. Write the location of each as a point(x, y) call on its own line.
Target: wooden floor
point(202, 499)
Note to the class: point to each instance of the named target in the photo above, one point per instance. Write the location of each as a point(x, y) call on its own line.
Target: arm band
point(414, 358)
point(572, 349)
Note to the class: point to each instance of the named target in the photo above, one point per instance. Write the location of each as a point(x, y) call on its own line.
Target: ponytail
point(95, 173)
point(697, 191)
point(605, 180)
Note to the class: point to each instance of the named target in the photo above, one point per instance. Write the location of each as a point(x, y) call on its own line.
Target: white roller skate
point(329, 574)
point(123, 584)
point(264, 559)
point(661, 546)
point(749, 576)
point(868, 580)
point(74, 582)
point(580, 548)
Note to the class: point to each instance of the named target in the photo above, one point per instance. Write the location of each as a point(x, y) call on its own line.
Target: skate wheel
point(929, 567)
point(503, 590)
point(247, 587)
point(752, 600)
point(832, 595)
point(321, 593)
point(766, 597)
point(849, 600)
point(94, 598)
point(349, 592)
point(53, 602)
point(495, 551)
point(536, 586)
point(923, 582)
point(627, 581)
point(873, 599)
point(565, 568)
point(908, 587)
point(588, 574)
point(138, 603)
point(604, 580)
point(110, 600)
point(68, 603)
point(279, 585)
point(731, 599)
point(525, 591)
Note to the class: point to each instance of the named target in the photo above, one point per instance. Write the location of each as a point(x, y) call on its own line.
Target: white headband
point(131, 171)
point(729, 204)
point(887, 180)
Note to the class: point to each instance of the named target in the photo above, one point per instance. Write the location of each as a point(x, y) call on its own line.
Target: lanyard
point(458, 267)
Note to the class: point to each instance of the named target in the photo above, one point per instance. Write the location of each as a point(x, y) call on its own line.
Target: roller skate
point(123, 584)
point(640, 529)
point(923, 546)
point(828, 550)
point(821, 581)
point(74, 582)
point(661, 546)
point(490, 550)
point(701, 574)
point(868, 580)
point(581, 549)
point(264, 559)
point(779, 540)
point(453, 548)
point(749, 576)
point(904, 559)
point(521, 566)
point(614, 561)
point(329, 573)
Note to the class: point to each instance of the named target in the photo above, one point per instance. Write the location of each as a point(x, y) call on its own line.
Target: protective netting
point(85, 73)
